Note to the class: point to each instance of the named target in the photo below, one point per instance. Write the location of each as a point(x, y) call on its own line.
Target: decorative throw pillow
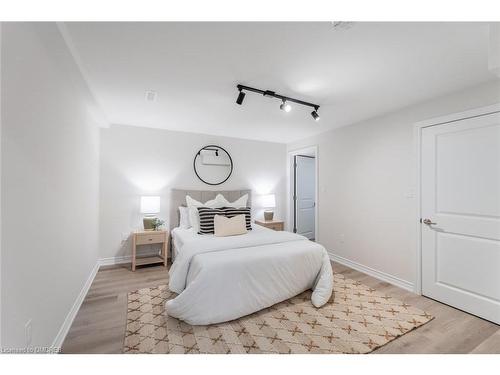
point(206, 215)
point(240, 202)
point(184, 222)
point(193, 204)
point(234, 226)
point(231, 212)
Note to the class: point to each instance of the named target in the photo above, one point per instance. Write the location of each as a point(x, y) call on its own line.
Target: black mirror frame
point(201, 179)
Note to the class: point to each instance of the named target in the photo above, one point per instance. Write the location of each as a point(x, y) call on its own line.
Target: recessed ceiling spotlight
point(241, 96)
point(285, 106)
point(315, 115)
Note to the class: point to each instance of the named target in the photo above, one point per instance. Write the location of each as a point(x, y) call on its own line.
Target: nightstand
point(272, 224)
point(149, 238)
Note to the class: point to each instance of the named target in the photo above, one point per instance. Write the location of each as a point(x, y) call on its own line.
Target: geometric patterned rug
point(357, 319)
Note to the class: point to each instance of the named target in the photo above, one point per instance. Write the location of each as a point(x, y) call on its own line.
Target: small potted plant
point(157, 223)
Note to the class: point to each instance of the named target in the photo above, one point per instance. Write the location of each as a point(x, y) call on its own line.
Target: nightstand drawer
point(277, 227)
point(145, 239)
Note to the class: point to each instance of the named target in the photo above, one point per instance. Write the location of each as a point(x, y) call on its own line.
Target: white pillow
point(184, 221)
point(240, 202)
point(193, 204)
point(229, 226)
point(190, 202)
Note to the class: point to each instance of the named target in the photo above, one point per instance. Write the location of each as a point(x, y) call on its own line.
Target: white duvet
point(223, 278)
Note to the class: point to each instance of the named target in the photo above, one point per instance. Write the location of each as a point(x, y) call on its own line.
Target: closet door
point(460, 179)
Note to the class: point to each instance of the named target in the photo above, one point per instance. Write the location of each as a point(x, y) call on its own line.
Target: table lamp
point(268, 201)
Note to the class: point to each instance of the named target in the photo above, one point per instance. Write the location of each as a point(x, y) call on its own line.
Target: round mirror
point(213, 165)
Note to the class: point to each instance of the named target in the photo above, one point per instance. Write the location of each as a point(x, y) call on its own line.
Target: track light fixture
point(284, 106)
point(241, 96)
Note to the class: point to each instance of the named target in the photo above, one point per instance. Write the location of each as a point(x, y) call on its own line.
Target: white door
point(461, 213)
point(305, 193)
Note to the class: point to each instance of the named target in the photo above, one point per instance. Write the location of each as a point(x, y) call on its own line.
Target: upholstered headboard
point(178, 198)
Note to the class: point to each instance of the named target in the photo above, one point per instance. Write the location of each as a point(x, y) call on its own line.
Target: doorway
point(303, 192)
point(460, 214)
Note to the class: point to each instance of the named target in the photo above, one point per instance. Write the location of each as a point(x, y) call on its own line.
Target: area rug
point(357, 319)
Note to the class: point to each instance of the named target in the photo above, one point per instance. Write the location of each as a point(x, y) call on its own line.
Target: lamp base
point(268, 215)
point(148, 223)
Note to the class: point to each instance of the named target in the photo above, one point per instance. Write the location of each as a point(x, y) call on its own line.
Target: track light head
point(285, 106)
point(315, 115)
point(241, 96)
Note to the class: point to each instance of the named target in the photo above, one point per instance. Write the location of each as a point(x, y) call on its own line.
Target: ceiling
point(353, 73)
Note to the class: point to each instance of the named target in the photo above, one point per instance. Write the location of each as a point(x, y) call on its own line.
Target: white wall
point(139, 161)
point(367, 183)
point(50, 182)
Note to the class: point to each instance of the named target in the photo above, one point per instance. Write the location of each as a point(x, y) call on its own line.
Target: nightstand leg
point(164, 249)
point(133, 252)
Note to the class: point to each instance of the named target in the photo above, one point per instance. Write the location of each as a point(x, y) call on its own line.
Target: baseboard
point(111, 261)
point(63, 331)
point(403, 284)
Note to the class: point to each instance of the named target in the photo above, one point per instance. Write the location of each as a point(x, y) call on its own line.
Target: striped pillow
point(231, 212)
point(207, 215)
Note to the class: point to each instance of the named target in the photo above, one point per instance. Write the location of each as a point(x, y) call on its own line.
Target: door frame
point(418, 128)
point(290, 178)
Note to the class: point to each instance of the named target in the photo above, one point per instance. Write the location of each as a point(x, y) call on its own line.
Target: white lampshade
point(150, 205)
point(268, 201)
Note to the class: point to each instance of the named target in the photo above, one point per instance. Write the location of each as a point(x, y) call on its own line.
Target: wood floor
point(99, 326)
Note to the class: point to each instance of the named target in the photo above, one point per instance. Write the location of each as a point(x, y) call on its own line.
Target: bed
point(224, 278)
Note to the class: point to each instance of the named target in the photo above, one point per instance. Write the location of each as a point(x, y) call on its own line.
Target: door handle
point(428, 222)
